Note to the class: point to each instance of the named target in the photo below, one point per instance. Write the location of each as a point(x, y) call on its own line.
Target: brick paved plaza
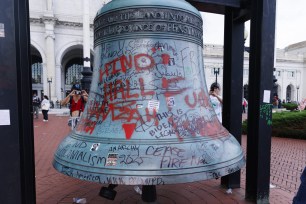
point(287, 162)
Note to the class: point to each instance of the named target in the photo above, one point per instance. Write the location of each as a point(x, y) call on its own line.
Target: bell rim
point(182, 177)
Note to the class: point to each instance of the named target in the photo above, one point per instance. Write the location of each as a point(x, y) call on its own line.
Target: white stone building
point(60, 43)
point(290, 70)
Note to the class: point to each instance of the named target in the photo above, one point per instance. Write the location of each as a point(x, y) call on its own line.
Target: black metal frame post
point(17, 141)
point(262, 14)
point(260, 110)
point(232, 94)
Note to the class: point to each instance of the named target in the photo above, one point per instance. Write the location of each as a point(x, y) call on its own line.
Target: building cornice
point(213, 50)
point(57, 22)
point(295, 46)
point(49, 19)
point(69, 24)
point(289, 60)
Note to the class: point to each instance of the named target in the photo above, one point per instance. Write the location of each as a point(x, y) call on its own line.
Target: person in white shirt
point(45, 106)
point(216, 100)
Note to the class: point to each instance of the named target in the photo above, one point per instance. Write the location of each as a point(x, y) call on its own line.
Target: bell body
point(148, 119)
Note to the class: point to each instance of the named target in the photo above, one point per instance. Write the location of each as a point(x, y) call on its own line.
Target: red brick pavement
point(287, 161)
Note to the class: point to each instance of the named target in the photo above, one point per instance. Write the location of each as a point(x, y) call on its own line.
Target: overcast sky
point(290, 24)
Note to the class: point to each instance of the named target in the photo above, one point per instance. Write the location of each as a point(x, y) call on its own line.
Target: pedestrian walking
point(275, 102)
point(45, 106)
point(35, 104)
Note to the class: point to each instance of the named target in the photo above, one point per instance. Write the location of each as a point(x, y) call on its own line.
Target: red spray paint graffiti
point(129, 129)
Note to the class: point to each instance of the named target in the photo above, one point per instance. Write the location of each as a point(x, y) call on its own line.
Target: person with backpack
point(77, 99)
point(36, 104)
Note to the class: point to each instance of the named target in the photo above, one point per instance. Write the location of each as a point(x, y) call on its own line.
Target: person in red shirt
point(77, 99)
point(244, 105)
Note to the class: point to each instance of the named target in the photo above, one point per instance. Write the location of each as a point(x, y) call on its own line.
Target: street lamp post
point(297, 93)
point(49, 81)
point(216, 72)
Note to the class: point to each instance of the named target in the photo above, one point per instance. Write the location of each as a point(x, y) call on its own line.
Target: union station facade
point(59, 44)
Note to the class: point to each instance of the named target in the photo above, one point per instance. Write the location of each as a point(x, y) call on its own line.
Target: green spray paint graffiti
point(266, 113)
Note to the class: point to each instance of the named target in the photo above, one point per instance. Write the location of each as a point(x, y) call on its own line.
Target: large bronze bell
point(148, 119)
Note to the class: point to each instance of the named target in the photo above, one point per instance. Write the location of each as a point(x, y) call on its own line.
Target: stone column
point(283, 85)
point(50, 5)
point(63, 80)
point(298, 85)
point(87, 73)
point(44, 79)
point(49, 42)
point(49, 8)
point(58, 82)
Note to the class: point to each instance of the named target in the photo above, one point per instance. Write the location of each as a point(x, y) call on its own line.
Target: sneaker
point(229, 191)
point(138, 190)
point(44, 120)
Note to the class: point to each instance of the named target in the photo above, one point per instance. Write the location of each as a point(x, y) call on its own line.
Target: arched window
point(36, 70)
point(73, 71)
point(288, 93)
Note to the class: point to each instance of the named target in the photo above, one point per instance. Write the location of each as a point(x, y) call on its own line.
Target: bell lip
point(120, 4)
point(167, 179)
point(174, 171)
point(169, 175)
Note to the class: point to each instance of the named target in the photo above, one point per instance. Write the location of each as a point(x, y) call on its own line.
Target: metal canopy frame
point(262, 14)
point(17, 143)
point(17, 140)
